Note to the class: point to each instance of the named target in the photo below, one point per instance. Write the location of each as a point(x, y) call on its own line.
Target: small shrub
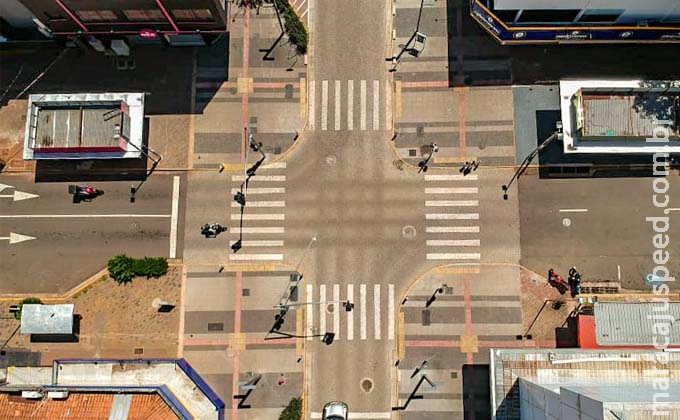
point(293, 411)
point(297, 34)
point(28, 300)
point(121, 268)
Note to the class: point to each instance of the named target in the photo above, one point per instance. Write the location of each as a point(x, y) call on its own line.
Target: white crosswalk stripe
point(256, 229)
point(451, 223)
point(326, 311)
point(336, 100)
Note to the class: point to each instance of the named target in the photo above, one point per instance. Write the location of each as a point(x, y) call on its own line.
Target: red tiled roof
point(80, 406)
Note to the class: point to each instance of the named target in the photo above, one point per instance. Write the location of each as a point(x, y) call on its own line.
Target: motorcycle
point(556, 281)
point(211, 230)
point(84, 192)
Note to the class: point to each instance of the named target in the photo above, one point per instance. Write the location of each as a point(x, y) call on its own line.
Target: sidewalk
point(260, 93)
point(467, 122)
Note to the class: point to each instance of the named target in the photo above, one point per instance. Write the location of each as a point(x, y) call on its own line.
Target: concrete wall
point(539, 403)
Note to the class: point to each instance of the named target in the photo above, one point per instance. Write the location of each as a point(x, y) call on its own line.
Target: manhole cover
point(409, 232)
point(366, 385)
point(566, 222)
point(330, 307)
point(331, 159)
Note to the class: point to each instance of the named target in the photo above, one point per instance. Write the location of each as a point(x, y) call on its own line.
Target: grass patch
point(293, 411)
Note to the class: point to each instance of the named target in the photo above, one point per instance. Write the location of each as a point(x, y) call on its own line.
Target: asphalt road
point(73, 241)
point(597, 225)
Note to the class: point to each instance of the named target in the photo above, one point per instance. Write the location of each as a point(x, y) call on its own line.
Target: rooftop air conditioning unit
point(57, 395)
point(31, 395)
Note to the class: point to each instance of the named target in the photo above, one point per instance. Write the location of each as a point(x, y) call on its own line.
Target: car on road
point(335, 410)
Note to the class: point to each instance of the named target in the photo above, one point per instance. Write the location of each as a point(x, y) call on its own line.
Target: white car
point(335, 410)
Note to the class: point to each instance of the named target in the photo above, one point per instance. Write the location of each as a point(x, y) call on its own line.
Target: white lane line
point(257, 230)
point(258, 216)
point(618, 271)
point(336, 310)
point(461, 256)
point(350, 105)
point(261, 178)
point(256, 257)
point(573, 210)
point(458, 242)
point(434, 203)
point(376, 310)
point(310, 311)
point(362, 311)
point(252, 190)
point(85, 216)
point(322, 309)
point(362, 102)
point(376, 105)
point(274, 165)
point(451, 216)
point(452, 229)
point(360, 415)
point(258, 243)
point(671, 209)
point(260, 203)
point(390, 312)
point(469, 190)
point(311, 95)
point(350, 315)
point(388, 105)
point(174, 217)
point(337, 105)
point(450, 178)
point(324, 105)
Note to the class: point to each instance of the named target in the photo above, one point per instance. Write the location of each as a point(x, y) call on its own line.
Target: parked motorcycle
point(84, 192)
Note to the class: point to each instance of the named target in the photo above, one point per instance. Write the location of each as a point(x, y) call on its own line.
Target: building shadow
point(74, 337)
point(212, 69)
point(566, 336)
point(476, 392)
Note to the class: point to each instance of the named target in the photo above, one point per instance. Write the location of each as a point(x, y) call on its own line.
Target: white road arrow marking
point(15, 238)
point(3, 186)
point(19, 195)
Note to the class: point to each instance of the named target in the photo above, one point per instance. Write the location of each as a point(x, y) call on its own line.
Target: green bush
point(293, 411)
point(297, 34)
point(123, 268)
point(28, 300)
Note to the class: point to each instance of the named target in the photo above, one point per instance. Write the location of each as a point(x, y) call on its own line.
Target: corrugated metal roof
point(617, 116)
point(47, 319)
point(626, 323)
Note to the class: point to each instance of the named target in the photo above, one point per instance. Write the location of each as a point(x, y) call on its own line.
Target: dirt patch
point(12, 128)
point(116, 321)
point(538, 298)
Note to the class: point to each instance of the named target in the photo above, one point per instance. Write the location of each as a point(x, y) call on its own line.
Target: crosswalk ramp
point(260, 228)
point(452, 217)
point(372, 317)
point(347, 105)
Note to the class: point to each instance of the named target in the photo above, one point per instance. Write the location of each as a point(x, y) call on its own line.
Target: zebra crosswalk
point(452, 210)
point(326, 311)
point(349, 105)
point(260, 227)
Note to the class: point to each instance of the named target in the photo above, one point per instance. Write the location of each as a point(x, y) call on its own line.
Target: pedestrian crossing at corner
point(372, 316)
point(452, 217)
point(364, 105)
point(262, 230)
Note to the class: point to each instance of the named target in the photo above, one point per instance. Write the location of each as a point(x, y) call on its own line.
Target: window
point(97, 15)
point(192, 14)
point(548, 16)
point(600, 16)
point(143, 15)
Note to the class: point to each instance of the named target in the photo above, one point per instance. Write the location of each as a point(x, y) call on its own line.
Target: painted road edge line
point(174, 219)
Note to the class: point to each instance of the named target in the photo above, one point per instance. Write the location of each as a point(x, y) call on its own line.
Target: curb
point(55, 297)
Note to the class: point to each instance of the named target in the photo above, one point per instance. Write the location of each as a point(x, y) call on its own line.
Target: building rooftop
point(626, 323)
point(90, 406)
point(47, 319)
point(629, 371)
point(79, 126)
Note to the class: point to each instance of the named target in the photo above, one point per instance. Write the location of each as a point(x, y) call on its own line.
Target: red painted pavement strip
point(244, 74)
point(256, 85)
point(486, 344)
point(462, 128)
point(468, 311)
point(431, 83)
point(431, 343)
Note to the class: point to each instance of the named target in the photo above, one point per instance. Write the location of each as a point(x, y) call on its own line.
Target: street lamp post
point(410, 40)
point(527, 161)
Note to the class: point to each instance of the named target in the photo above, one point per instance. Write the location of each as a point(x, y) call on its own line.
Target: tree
point(28, 300)
point(251, 4)
point(661, 101)
point(121, 268)
point(293, 411)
